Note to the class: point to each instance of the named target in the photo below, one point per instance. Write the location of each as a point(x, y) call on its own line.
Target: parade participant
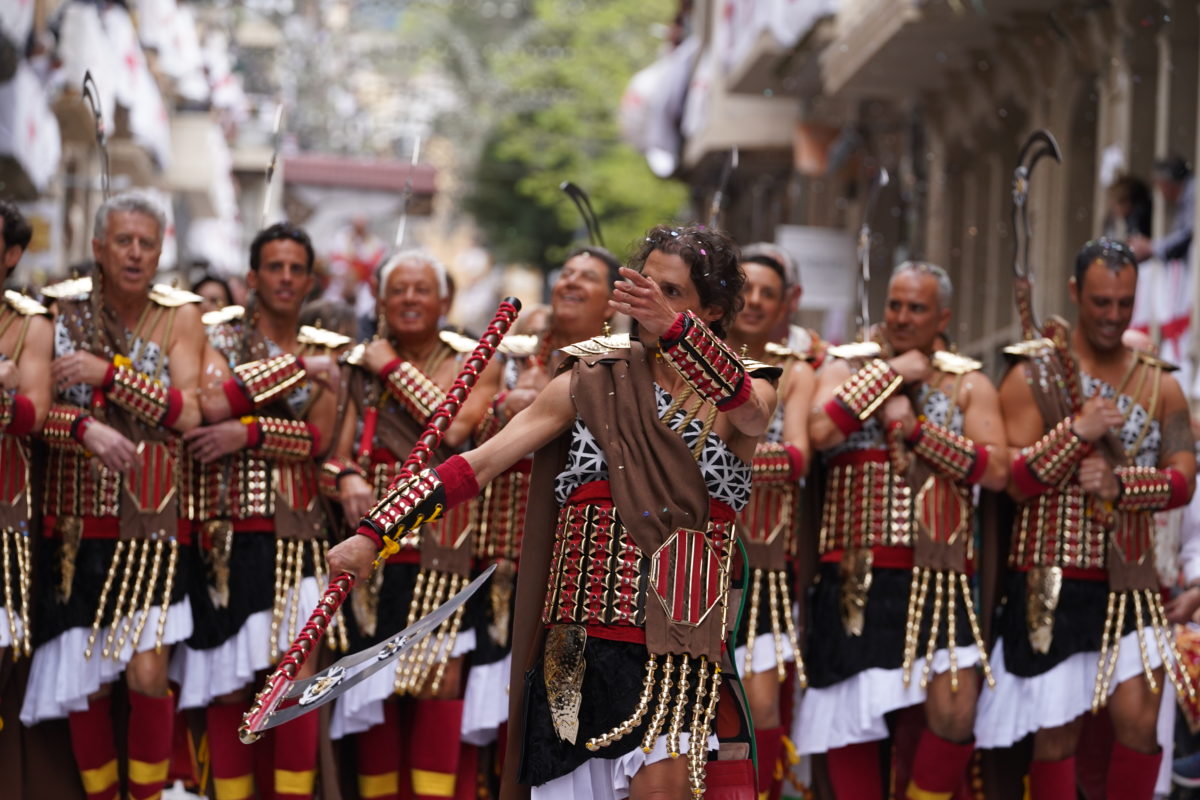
point(260, 527)
point(578, 310)
point(906, 432)
point(768, 524)
point(394, 384)
point(26, 347)
point(621, 605)
point(115, 562)
point(1105, 441)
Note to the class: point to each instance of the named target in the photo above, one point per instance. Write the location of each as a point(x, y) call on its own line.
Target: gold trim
point(436, 784)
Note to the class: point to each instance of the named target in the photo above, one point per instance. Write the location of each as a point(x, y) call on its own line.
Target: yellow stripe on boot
point(295, 782)
point(917, 793)
point(433, 784)
point(96, 781)
point(145, 773)
point(382, 785)
point(239, 788)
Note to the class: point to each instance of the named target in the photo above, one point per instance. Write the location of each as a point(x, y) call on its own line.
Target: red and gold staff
point(394, 385)
point(768, 639)
point(127, 365)
point(261, 528)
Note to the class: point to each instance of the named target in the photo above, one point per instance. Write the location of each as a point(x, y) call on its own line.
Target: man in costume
point(114, 563)
point(26, 347)
point(1102, 440)
point(394, 384)
point(906, 431)
point(578, 310)
point(261, 529)
point(622, 603)
point(767, 634)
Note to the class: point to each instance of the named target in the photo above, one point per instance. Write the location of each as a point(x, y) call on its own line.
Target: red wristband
point(675, 332)
point(1024, 479)
point(458, 479)
point(390, 367)
point(980, 466)
point(315, 432)
point(253, 433)
point(23, 416)
point(240, 403)
point(840, 416)
point(174, 406)
point(796, 459)
point(369, 532)
point(1179, 489)
point(915, 436)
point(80, 426)
point(110, 375)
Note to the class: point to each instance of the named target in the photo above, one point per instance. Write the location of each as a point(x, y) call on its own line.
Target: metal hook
point(91, 94)
point(1041, 143)
point(584, 204)
point(880, 180)
point(276, 138)
point(407, 193)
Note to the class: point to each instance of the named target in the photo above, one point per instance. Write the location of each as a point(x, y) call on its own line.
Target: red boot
point(232, 761)
point(95, 751)
point(854, 771)
point(296, 758)
point(379, 757)
point(150, 738)
point(437, 734)
point(938, 768)
point(1132, 775)
point(1052, 780)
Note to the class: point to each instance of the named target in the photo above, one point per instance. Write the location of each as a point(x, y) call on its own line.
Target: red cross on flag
point(28, 128)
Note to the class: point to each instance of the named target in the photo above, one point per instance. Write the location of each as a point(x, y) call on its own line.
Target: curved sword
point(1040, 143)
point(91, 94)
point(881, 180)
point(584, 204)
point(406, 195)
point(276, 137)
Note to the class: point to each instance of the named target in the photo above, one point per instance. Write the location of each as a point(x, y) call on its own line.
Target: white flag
point(28, 129)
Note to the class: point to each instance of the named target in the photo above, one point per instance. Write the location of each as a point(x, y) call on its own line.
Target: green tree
point(564, 83)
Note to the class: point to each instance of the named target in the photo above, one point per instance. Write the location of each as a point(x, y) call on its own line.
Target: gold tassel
point(664, 704)
point(168, 589)
point(639, 711)
point(124, 618)
point(6, 564)
point(685, 667)
point(294, 591)
point(455, 627)
point(118, 552)
point(276, 610)
point(752, 620)
point(793, 637)
point(1147, 670)
point(70, 529)
point(776, 628)
point(144, 615)
point(122, 592)
point(698, 744)
point(969, 602)
point(1110, 647)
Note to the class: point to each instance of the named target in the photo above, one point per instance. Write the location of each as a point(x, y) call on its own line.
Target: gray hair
point(945, 289)
point(421, 258)
point(134, 202)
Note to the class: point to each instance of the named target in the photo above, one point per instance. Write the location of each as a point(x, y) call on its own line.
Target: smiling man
point(907, 431)
point(127, 363)
point(1102, 440)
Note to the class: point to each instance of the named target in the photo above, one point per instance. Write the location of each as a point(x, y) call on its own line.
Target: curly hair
point(713, 263)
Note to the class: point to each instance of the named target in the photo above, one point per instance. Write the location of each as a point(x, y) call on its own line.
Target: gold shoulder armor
point(855, 350)
point(171, 297)
point(223, 315)
point(1155, 361)
point(320, 337)
point(955, 364)
point(457, 342)
point(23, 305)
point(519, 345)
point(71, 287)
point(1030, 348)
point(776, 350)
point(758, 369)
point(597, 345)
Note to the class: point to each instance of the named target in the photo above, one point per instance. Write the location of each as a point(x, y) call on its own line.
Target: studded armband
point(283, 439)
point(948, 453)
point(418, 499)
point(257, 383)
point(65, 425)
point(777, 462)
point(332, 472)
point(419, 395)
point(1050, 460)
point(705, 362)
point(862, 394)
point(1150, 489)
point(139, 394)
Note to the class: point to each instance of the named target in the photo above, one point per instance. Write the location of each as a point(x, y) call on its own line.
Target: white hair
point(134, 202)
point(945, 289)
point(420, 258)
